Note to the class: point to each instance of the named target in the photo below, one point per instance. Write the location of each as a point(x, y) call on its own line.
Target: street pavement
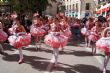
point(75, 58)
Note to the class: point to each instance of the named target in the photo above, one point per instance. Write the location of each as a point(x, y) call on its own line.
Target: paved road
point(74, 59)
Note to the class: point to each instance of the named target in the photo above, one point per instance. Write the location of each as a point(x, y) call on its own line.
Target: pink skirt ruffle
point(67, 33)
point(55, 41)
point(93, 37)
point(20, 40)
point(103, 44)
point(63, 40)
point(3, 36)
point(84, 32)
point(37, 32)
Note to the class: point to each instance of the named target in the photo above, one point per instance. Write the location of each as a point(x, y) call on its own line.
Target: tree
point(30, 5)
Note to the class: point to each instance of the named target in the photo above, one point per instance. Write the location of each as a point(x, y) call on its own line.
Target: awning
point(103, 10)
point(98, 12)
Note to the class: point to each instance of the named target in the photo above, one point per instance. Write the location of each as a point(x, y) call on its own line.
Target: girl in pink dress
point(55, 39)
point(94, 36)
point(37, 31)
point(104, 45)
point(19, 38)
point(89, 25)
point(3, 37)
point(65, 28)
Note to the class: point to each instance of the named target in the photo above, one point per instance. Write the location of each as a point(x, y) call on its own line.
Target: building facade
point(79, 8)
point(73, 8)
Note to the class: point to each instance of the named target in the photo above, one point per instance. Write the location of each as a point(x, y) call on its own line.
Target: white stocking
point(55, 55)
point(105, 63)
point(20, 54)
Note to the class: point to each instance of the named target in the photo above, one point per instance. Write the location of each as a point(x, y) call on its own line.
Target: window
point(87, 6)
point(67, 8)
point(76, 7)
point(70, 7)
point(73, 6)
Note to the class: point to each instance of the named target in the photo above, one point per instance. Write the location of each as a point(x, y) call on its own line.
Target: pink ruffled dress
point(55, 39)
point(104, 43)
point(37, 31)
point(67, 33)
point(94, 36)
point(85, 32)
point(20, 39)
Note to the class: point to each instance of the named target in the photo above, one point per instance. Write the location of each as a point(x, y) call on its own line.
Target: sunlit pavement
point(74, 59)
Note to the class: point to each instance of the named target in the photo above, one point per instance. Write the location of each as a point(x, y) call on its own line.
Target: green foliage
point(29, 5)
point(62, 9)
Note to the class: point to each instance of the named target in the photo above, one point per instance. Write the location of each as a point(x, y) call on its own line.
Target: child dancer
point(89, 25)
point(94, 36)
point(65, 30)
point(19, 38)
point(37, 31)
point(55, 40)
point(104, 45)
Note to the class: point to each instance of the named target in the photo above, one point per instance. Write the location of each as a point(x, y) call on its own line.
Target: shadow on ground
point(80, 68)
point(40, 50)
point(42, 64)
point(35, 62)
